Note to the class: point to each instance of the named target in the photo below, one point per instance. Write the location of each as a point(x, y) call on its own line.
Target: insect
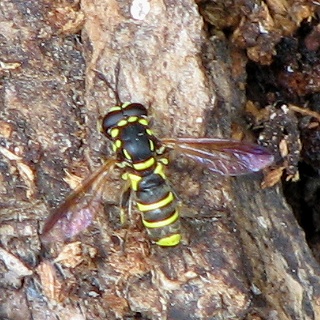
point(141, 158)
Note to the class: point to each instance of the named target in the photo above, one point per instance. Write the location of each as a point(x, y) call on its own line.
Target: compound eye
point(110, 120)
point(134, 109)
point(116, 114)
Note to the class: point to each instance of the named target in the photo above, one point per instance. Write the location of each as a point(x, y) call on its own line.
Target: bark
point(243, 255)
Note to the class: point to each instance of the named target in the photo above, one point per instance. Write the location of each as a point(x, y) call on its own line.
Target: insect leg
point(125, 203)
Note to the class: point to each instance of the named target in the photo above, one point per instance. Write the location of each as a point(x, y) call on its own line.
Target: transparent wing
point(77, 212)
point(222, 156)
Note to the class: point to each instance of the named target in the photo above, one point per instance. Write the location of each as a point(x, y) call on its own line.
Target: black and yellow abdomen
point(158, 205)
point(138, 152)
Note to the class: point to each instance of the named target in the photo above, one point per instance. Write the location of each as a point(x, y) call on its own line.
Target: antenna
point(102, 77)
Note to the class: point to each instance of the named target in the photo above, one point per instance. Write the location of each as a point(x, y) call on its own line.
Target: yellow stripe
point(115, 108)
point(151, 144)
point(163, 223)
point(114, 132)
point(144, 122)
point(161, 150)
point(156, 205)
point(125, 104)
point(118, 143)
point(169, 241)
point(164, 161)
point(132, 119)
point(126, 154)
point(122, 164)
point(159, 170)
point(144, 165)
point(134, 180)
point(125, 176)
point(122, 123)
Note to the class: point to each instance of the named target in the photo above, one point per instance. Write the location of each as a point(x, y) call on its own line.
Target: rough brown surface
point(243, 254)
